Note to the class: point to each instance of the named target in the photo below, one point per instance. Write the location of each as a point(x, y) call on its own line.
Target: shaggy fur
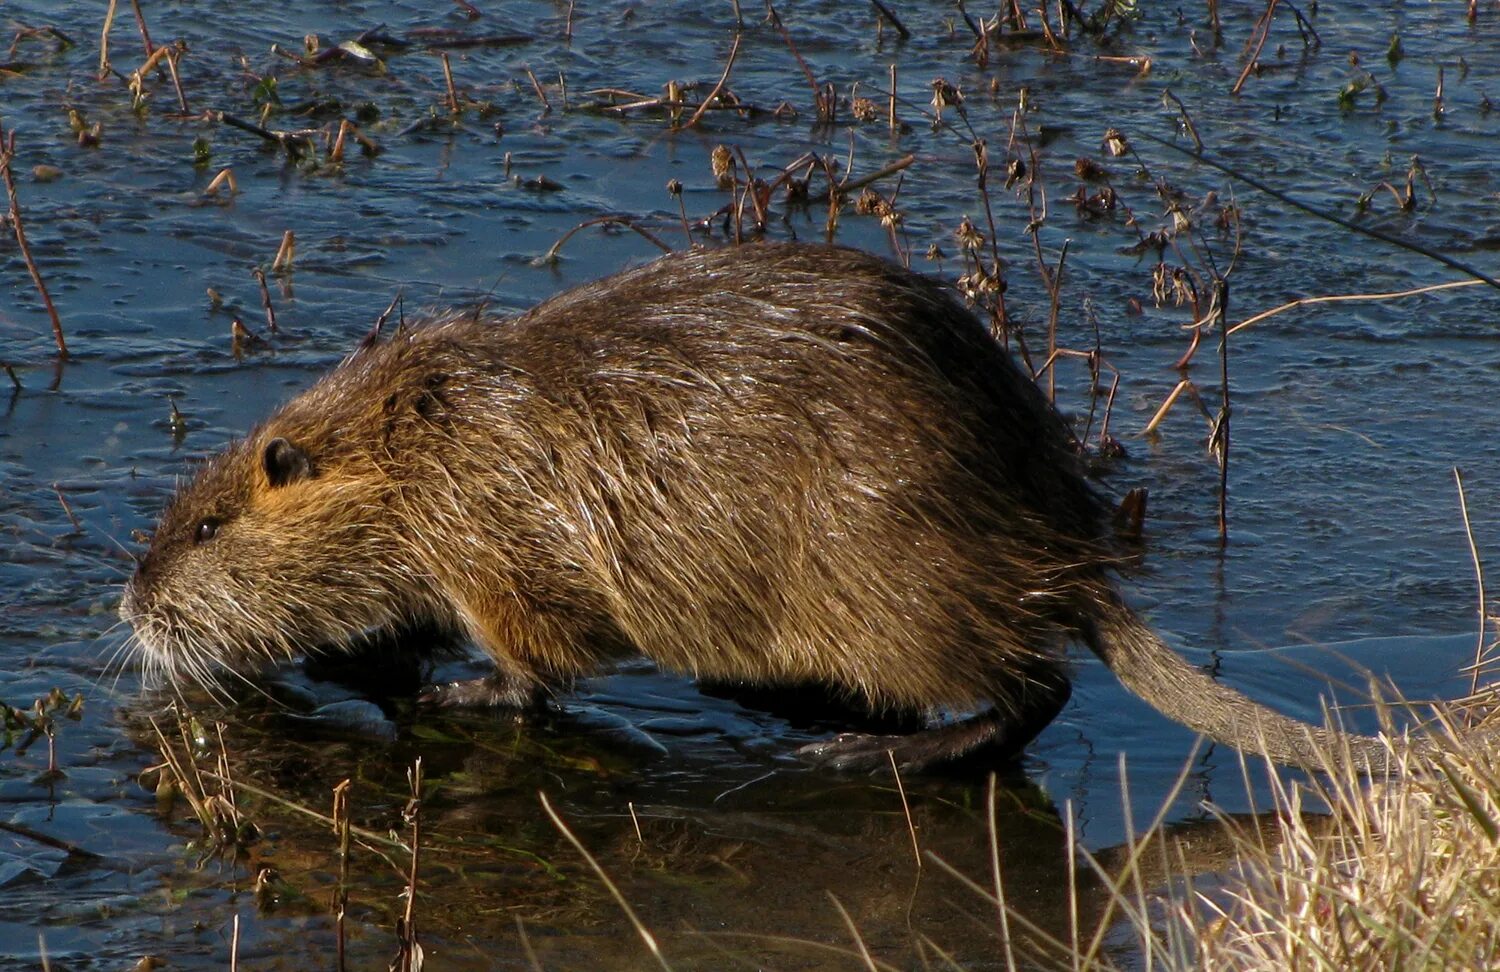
point(774, 464)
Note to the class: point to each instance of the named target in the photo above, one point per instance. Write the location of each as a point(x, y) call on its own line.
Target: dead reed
point(7, 159)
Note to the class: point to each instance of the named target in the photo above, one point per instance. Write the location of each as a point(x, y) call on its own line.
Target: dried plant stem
point(556, 248)
point(890, 16)
point(1296, 203)
point(7, 156)
point(1166, 406)
point(409, 959)
point(370, 839)
point(287, 252)
point(341, 892)
point(614, 891)
point(68, 509)
point(172, 56)
point(848, 186)
point(1463, 506)
point(265, 299)
point(109, 21)
point(336, 151)
point(1221, 426)
point(864, 951)
point(1187, 120)
point(224, 178)
point(1257, 38)
point(891, 106)
point(540, 93)
point(448, 80)
point(140, 22)
point(992, 827)
point(734, 50)
point(1339, 298)
point(823, 106)
point(1053, 280)
point(911, 827)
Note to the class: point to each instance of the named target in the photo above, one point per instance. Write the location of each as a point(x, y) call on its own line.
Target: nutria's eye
point(207, 530)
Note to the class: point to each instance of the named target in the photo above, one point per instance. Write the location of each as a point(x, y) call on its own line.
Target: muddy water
point(1348, 548)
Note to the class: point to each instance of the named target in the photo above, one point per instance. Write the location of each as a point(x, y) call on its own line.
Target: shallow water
point(1348, 419)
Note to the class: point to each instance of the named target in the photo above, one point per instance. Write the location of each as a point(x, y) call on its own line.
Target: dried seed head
point(1015, 171)
point(945, 95)
point(722, 161)
point(969, 237)
point(1090, 171)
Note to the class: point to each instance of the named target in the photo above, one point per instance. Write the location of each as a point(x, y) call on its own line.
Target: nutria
point(773, 464)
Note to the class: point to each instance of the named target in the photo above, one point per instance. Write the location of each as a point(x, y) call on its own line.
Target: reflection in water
point(727, 849)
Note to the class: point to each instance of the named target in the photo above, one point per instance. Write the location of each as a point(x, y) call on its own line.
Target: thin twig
point(848, 186)
point(1221, 427)
point(540, 93)
point(140, 21)
point(287, 252)
point(824, 111)
point(992, 827)
point(894, 20)
point(265, 298)
point(409, 957)
point(614, 891)
point(109, 21)
point(448, 78)
point(341, 892)
point(1187, 120)
point(864, 951)
point(67, 508)
point(1258, 38)
point(1213, 163)
point(1463, 506)
point(911, 827)
point(1340, 298)
point(551, 253)
point(734, 50)
point(7, 155)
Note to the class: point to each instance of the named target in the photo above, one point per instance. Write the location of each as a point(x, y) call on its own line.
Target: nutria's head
point(278, 547)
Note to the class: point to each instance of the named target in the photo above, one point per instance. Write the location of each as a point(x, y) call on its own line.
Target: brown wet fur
point(774, 464)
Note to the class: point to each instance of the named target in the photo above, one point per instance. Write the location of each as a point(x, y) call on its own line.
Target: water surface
point(1348, 550)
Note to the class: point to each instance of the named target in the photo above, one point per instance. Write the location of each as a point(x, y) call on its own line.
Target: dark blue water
point(1348, 549)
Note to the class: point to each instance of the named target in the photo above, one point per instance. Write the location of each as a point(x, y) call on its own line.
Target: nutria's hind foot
point(994, 735)
point(866, 753)
point(497, 691)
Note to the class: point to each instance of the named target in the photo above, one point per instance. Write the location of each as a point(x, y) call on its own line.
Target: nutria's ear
point(285, 463)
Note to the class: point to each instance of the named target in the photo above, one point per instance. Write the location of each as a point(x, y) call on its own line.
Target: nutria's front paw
point(491, 692)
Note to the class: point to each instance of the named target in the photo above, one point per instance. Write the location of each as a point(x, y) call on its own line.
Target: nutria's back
point(771, 463)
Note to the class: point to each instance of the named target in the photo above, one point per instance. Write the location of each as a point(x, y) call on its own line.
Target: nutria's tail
point(1186, 694)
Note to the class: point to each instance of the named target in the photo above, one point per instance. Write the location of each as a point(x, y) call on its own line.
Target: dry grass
point(1403, 875)
point(1342, 874)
